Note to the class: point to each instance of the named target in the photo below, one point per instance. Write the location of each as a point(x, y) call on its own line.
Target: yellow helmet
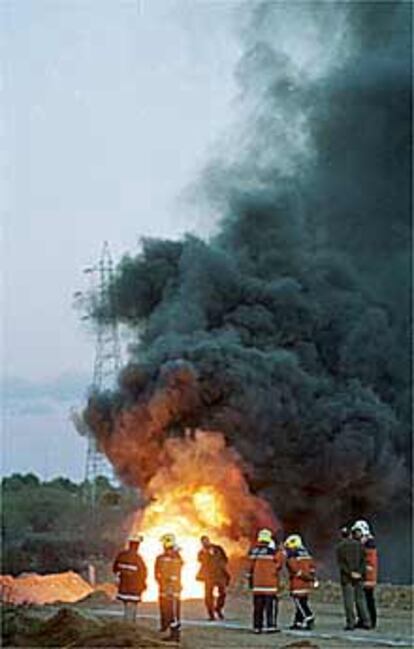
point(293, 542)
point(168, 540)
point(135, 538)
point(264, 536)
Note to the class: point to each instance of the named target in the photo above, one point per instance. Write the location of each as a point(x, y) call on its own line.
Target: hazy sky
point(112, 108)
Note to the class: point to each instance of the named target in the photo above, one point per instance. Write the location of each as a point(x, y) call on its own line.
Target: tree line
point(51, 526)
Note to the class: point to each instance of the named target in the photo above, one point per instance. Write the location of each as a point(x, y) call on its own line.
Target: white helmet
point(361, 526)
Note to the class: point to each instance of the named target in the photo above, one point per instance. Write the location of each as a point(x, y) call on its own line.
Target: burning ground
point(288, 331)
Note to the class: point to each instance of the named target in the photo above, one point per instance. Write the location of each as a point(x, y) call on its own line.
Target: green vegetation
point(52, 527)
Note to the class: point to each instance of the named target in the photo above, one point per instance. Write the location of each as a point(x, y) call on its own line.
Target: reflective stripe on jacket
point(168, 572)
point(371, 562)
point(301, 569)
point(132, 575)
point(266, 563)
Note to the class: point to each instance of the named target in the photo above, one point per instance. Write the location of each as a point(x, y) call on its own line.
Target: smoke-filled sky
point(289, 329)
point(111, 109)
point(288, 123)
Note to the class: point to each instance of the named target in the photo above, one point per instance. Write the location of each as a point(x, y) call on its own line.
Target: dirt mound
point(63, 628)
point(15, 625)
point(109, 589)
point(30, 588)
point(71, 628)
point(97, 598)
point(119, 634)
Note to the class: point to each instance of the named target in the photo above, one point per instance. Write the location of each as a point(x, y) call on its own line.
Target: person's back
point(351, 564)
point(168, 571)
point(350, 558)
point(132, 574)
point(266, 563)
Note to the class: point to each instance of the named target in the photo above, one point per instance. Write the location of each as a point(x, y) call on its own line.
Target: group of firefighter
point(356, 557)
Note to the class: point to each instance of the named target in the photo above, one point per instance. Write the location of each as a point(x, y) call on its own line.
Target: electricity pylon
point(107, 362)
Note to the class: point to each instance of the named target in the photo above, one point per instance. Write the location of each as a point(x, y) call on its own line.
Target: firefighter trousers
point(303, 613)
point(130, 611)
point(214, 604)
point(371, 606)
point(265, 605)
point(170, 612)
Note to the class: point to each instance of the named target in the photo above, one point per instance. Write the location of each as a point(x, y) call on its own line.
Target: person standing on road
point(167, 570)
point(371, 569)
point(351, 563)
point(265, 564)
point(132, 575)
point(302, 580)
point(213, 571)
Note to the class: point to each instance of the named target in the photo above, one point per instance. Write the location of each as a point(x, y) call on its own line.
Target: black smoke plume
point(289, 330)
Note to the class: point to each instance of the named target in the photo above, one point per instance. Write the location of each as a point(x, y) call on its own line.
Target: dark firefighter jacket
point(302, 572)
point(371, 562)
point(213, 562)
point(351, 560)
point(266, 563)
point(168, 572)
point(132, 575)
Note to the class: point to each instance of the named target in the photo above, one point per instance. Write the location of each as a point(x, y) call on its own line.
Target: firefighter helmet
point(264, 536)
point(135, 538)
point(293, 542)
point(168, 540)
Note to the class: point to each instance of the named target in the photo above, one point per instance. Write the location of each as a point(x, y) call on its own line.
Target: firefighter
point(213, 572)
point(371, 570)
point(132, 575)
point(302, 579)
point(351, 563)
point(265, 564)
point(168, 575)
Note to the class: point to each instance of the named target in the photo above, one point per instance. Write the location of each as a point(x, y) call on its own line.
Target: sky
point(111, 110)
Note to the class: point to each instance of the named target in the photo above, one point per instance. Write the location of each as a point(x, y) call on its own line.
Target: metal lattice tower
point(107, 361)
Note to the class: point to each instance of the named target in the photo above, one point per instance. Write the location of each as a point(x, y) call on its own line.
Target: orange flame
point(200, 490)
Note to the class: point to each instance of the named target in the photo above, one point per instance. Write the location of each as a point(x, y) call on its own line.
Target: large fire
point(200, 490)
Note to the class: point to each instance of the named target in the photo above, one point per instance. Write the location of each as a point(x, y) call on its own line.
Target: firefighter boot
point(174, 632)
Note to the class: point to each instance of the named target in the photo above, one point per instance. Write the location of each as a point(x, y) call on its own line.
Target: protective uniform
point(213, 572)
point(371, 576)
point(302, 580)
point(265, 564)
point(371, 569)
point(132, 575)
point(168, 567)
